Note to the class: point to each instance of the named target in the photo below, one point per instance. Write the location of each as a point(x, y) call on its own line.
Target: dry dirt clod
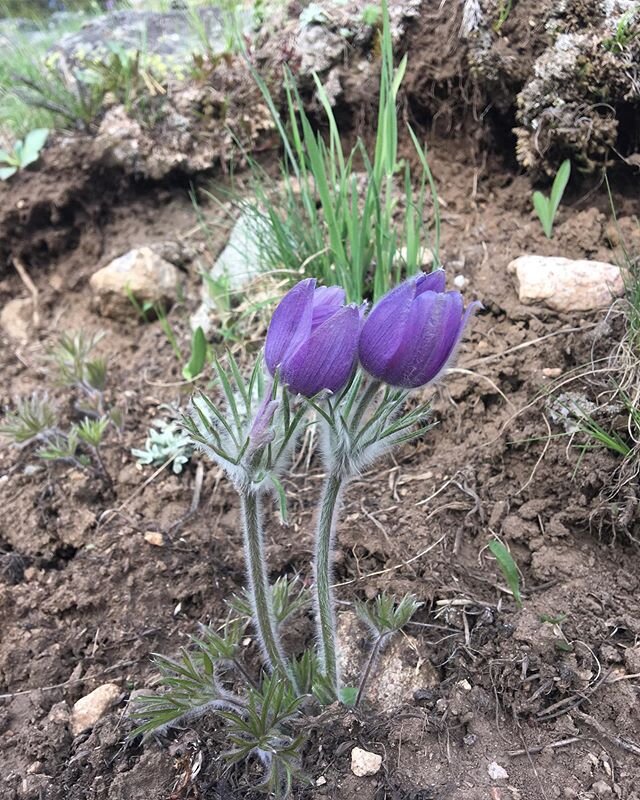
point(364, 763)
point(141, 273)
point(92, 707)
point(566, 285)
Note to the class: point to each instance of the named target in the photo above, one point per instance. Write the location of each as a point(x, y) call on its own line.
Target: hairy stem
point(375, 649)
point(259, 590)
point(325, 614)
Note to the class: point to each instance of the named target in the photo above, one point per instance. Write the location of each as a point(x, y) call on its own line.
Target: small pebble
point(321, 781)
point(460, 281)
point(364, 763)
point(552, 372)
point(92, 707)
point(155, 538)
point(496, 772)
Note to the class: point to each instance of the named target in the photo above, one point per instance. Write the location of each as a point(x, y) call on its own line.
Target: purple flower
point(313, 339)
point(412, 333)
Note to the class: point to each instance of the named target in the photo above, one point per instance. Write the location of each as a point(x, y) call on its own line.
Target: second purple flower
point(313, 339)
point(412, 332)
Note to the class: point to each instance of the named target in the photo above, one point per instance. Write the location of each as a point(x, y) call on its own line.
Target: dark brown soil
point(550, 692)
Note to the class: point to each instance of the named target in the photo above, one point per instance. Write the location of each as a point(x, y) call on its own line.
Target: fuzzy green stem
point(259, 590)
point(375, 649)
point(325, 614)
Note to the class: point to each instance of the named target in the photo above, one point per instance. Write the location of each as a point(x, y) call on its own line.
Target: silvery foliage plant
point(350, 373)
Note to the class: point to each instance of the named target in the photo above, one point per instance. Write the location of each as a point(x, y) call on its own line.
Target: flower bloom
point(313, 339)
point(413, 331)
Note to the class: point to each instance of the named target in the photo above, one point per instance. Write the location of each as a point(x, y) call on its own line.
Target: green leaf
point(33, 143)
point(7, 172)
point(508, 567)
point(348, 695)
point(559, 185)
point(543, 210)
point(198, 355)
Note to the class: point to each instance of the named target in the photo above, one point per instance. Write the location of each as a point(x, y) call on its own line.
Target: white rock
point(364, 763)
point(460, 281)
point(92, 707)
point(565, 285)
point(140, 272)
point(236, 265)
point(496, 772)
point(16, 318)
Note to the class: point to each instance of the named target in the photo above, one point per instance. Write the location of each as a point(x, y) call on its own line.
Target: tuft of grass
point(331, 222)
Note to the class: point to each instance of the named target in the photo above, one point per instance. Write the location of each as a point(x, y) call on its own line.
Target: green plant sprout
point(547, 207)
point(508, 567)
point(37, 421)
point(199, 350)
point(24, 152)
point(626, 31)
point(504, 9)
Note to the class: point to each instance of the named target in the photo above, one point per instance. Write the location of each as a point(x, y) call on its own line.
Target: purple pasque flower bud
point(413, 331)
point(313, 339)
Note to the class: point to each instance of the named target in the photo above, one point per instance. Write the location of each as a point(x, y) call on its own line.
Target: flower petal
point(431, 282)
point(383, 330)
point(326, 360)
point(326, 301)
point(431, 334)
point(290, 324)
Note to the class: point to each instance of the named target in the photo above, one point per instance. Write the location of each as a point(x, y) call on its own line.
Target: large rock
point(92, 707)
point(141, 273)
point(565, 285)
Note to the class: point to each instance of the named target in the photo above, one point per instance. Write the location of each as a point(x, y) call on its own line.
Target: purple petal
point(326, 301)
point(431, 334)
point(431, 282)
point(327, 359)
point(290, 324)
point(383, 330)
point(261, 433)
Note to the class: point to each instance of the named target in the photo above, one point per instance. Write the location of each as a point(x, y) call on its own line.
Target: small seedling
point(198, 358)
point(508, 567)
point(24, 152)
point(547, 207)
